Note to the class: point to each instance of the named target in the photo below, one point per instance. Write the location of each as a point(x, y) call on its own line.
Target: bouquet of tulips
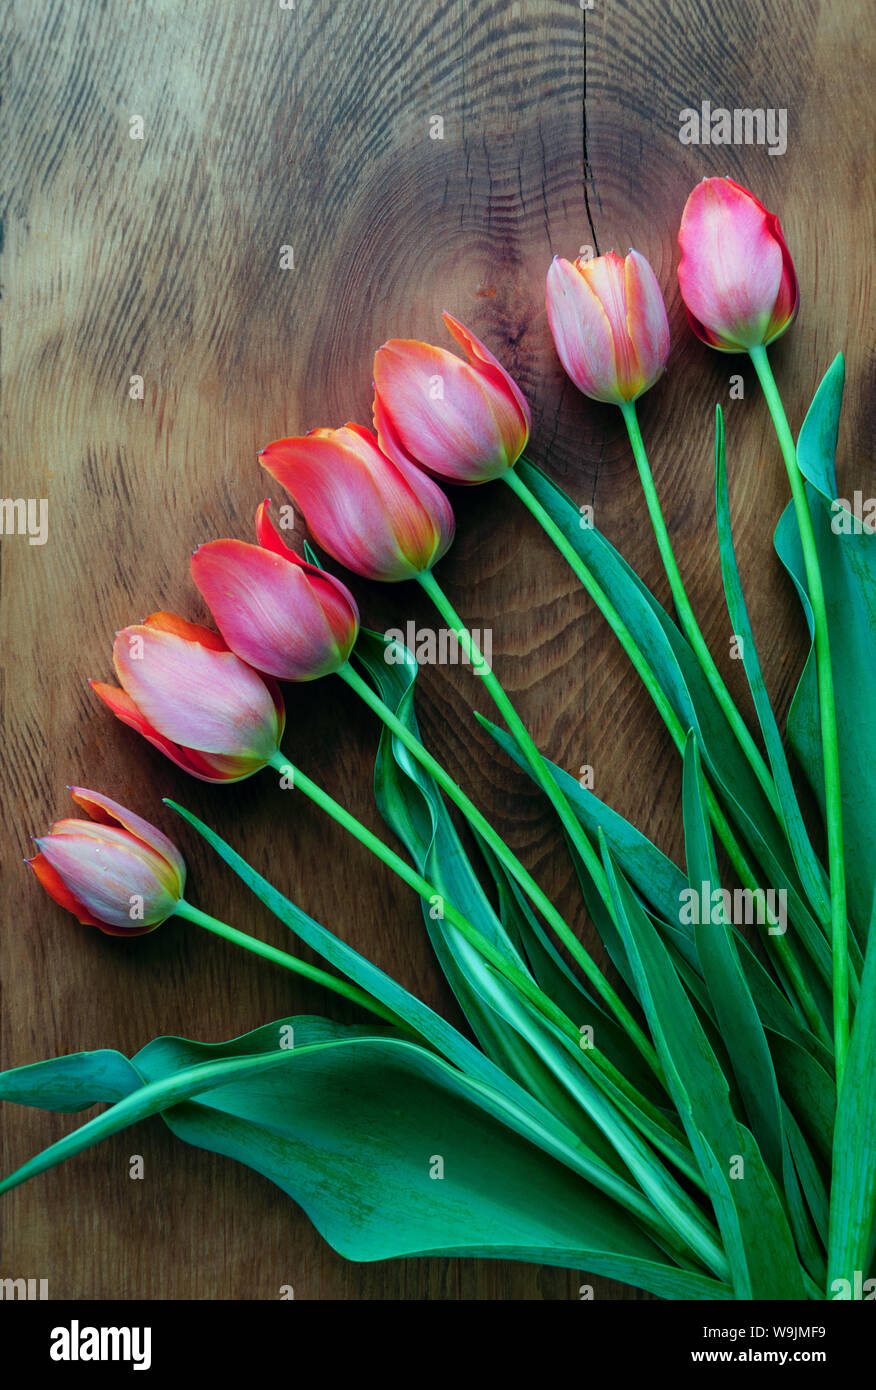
point(702, 1123)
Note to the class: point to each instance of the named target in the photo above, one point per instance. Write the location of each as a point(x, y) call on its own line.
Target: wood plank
point(160, 258)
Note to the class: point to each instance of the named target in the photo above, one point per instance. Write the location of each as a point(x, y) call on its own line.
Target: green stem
point(673, 724)
point(426, 890)
point(648, 1168)
point(688, 618)
point(483, 827)
point(569, 820)
point(293, 963)
point(827, 710)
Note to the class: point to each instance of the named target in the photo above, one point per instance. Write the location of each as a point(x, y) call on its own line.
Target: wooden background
point(266, 127)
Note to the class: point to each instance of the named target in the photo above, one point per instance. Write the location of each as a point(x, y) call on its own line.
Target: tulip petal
point(647, 326)
point(208, 767)
point(448, 419)
point(189, 632)
point(290, 620)
point(268, 536)
point(105, 811)
point(476, 352)
point(57, 889)
point(361, 507)
point(581, 331)
point(731, 267)
point(105, 875)
point(195, 695)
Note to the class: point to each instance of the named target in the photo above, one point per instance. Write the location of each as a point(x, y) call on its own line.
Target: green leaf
point(735, 1011)
point(754, 1228)
point(809, 866)
point(660, 882)
point(685, 686)
point(847, 559)
point(412, 806)
point(352, 1127)
point(853, 1187)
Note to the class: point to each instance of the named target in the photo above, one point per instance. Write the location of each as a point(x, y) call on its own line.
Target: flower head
point(609, 324)
point(190, 696)
point(382, 518)
point(275, 611)
point(736, 274)
point(467, 421)
point(115, 871)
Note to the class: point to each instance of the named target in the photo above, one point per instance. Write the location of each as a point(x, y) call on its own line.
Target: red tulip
point(736, 274)
point(464, 421)
point(192, 698)
point(609, 324)
point(115, 871)
point(382, 519)
point(275, 611)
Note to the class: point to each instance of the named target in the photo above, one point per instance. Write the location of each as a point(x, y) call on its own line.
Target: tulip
point(190, 696)
point(736, 275)
point(609, 324)
point(275, 611)
point(381, 518)
point(467, 422)
point(115, 871)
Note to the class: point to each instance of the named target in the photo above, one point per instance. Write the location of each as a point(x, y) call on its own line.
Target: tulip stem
point(664, 708)
point(827, 709)
point(290, 962)
point(559, 801)
point(503, 964)
point(687, 616)
point(491, 836)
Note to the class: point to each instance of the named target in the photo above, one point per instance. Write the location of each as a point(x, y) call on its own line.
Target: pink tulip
point(382, 519)
point(115, 872)
point(192, 698)
point(467, 422)
point(736, 274)
point(609, 324)
point(275, 611)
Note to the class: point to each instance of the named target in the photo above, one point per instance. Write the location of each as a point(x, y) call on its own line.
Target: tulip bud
point(382, 519)
point(193, 699)
point(467, 422)
point(736, 275)
point(116, 871)
point(609, 324)
point(275, 611)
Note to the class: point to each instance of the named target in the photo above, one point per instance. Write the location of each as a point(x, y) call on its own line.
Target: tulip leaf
point(680, 676)
point(358, 1127)
point(847, 557)
point(753, 1225)
point(853, 1185)
point(661, 883)
point(735, 1011)
point(808, 864)
point(539, 1122)
point(412, 806)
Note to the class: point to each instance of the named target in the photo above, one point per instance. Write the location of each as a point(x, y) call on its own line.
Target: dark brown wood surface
point(160, 257)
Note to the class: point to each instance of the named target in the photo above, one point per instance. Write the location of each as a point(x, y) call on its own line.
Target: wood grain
point(160, 257)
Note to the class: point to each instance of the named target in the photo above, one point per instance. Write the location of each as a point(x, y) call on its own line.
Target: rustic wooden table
point(160, 257)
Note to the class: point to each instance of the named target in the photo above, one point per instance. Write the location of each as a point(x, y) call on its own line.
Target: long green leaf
point(737, 1016)
point(390, 1151)
point(756, 1235)
point(847, 558)
point(853, 1187)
